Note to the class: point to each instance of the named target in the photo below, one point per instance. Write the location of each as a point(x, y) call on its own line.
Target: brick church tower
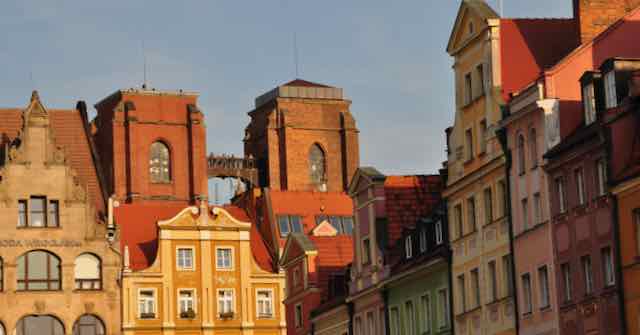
point(152, 146)
point(303, 138)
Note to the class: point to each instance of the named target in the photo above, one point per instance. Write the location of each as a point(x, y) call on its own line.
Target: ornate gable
point(470, 22)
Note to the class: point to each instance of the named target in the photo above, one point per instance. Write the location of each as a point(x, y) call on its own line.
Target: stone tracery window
point(317, 167)
point(159, 163)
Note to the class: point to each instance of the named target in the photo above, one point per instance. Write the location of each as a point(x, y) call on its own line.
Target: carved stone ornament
point(89, 307)
point(58, 155)
point(39, 306)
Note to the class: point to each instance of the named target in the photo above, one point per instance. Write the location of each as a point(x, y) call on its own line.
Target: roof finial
point(35, 96)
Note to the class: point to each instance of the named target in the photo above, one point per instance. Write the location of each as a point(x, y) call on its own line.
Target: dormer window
point(589, 102)
point(408, 248)
point(611, 98)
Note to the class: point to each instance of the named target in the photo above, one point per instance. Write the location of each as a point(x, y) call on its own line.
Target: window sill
point(97, 290)
point(526, 315)
point(35, 228)
point(545, 309)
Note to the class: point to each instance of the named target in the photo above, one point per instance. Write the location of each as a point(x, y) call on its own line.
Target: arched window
point(159, 163)
point(317, 166)
point(2, 332)
point(533, 148)
point(521, 154)
point(38, 271)
point(40, 325)
point(88, 272)
point(88, 325)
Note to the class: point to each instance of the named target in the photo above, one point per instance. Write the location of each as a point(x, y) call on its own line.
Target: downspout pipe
point(502, 137)
point(351, 310)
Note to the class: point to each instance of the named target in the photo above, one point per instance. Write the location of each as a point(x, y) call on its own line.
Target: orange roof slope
point(407, 199)
point(529, 46)
point(68, 128)
point(310, 204)
point(335, 253)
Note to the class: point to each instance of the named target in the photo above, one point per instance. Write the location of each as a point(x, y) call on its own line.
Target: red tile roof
point(304, 83)
point(139, 231)
point(68, 128)
point(308, 205)
point(530, 46)
point(335, 253)
point(407, 199)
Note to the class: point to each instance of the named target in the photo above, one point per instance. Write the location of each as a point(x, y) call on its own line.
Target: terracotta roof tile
point(335, 253)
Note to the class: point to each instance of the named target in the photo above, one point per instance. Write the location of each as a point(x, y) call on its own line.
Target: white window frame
point(608, 266)
point(231, 266)
point(268, 301)
point(193, 300)
point(543, 279)
point(423, 240)
point(425, 302)
point(566, 279)
point(562, 194)
point(587, 271)
point(443, 303)
point(580, 187)
point(154, 300)
point(611, 98)
point(601, 175)
point(527, 301)
point(408, 247)
point(224, 300)
point(193, 258)
point(589, 103)
point(410, 317)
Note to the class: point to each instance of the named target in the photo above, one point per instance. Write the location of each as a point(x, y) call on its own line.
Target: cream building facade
point(476, 190)
point(204, 280)
point(58, 269)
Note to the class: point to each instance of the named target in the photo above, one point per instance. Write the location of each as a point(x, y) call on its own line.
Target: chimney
point(594, 16)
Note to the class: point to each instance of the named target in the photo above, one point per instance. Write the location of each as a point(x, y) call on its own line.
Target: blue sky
point(389, 56)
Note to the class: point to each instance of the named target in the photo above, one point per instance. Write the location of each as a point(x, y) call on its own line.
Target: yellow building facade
point(204, 280)
point(476, 190)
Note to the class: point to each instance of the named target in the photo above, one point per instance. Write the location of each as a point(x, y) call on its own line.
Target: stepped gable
point(407, 199)
point(70, 130)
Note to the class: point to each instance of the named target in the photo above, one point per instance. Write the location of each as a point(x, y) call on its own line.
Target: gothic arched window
point(159, 163)
point(317, 165)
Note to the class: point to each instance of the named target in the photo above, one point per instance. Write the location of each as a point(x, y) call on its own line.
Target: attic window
point(610, 89)
point(289, 224)
point(408, 247)
point(589, 104)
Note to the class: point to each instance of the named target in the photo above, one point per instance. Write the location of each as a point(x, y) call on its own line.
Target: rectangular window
point(439, 235)
point(527, 304)
point(493, 282)
point(507, 274)
point(38, 214)
point(264, 300)
point(471, 214)
point(225, 303)
point(607, 267)
point(395, 321)
point(423, 240)
point(503, 201)
point(147, 304)
point(366, 251)
point(381, 320)
point(371, 323)
point(298, 318)
point(462, 294)
point(296, 277)
point(426, 313)
point(457, 212)
point(480, 75)
point(468, 89)
point(543, 277)
point(601, 168)
point(589, 103)
point(185, 258)
point(224, 258)
point(475, 281)
point(443, 317)
point(483, 136)
point(358, 323)
point(610, 89)
point(289, 224)
point(468, 135)
point(525, 213)
point(410, 318)
point(22, 213)
point(186, 303)
point(488, 206)
point(579, 174)
point(587, 274)
point(54, 216)
point(562, 196)
point(408, 248)
point(566, 280)
point(537, 209)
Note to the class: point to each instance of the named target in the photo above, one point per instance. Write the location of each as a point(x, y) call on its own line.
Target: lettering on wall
point(34, 243)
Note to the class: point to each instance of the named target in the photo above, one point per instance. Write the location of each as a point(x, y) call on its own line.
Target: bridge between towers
point(229, 166)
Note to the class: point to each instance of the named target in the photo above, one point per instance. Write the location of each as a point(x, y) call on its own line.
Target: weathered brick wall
point(594, 16)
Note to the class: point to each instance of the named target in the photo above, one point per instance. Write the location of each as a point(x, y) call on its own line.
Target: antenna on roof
point(144, 66)
point(295, 52)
